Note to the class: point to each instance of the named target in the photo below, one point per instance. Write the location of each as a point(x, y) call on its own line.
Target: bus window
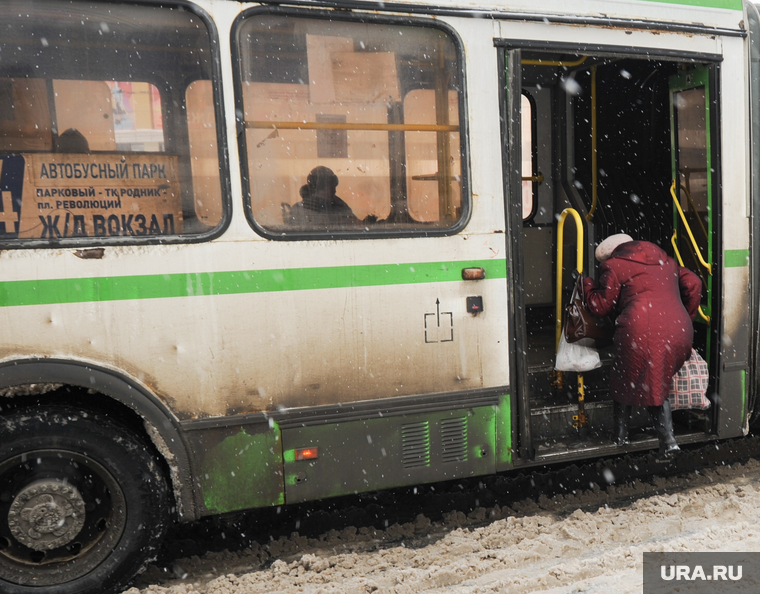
point(529, 184)
point(350, 127)
point(107, 125)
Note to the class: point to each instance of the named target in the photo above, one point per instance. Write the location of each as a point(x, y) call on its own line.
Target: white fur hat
point(605, 249)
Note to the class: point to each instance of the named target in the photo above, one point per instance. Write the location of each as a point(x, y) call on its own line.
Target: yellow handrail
point(535, 178)
point(697, 251)
point(702, 314)
point(280, 125)
point(693, 208)
point(581, 419)
point(578, 261)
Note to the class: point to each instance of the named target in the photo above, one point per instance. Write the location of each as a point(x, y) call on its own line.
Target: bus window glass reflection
point(108, 130)
point(528, 127)
point(377, 104)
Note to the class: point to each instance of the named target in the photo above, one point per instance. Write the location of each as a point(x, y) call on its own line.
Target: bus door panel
point(693, 177)
point(694, 191)
point(515, 207)
point(721, 331)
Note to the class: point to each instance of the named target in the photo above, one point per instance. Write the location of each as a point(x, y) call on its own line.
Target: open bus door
point(537, 131)
point(608, 135)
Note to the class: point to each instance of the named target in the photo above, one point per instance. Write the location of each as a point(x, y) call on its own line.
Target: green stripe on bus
point(156, 286)
point(736, 258)
point(726, 4)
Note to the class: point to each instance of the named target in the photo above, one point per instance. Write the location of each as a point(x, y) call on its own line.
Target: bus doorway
point(594, 135)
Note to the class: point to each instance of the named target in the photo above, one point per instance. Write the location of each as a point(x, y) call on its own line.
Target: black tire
point(57, 465)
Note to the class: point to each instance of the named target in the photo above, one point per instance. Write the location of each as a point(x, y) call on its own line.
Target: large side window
point(350, 127)
point(108, 125)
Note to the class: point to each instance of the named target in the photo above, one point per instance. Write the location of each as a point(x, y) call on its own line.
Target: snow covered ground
point(590, 542)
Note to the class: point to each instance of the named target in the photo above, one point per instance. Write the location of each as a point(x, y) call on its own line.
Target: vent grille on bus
point(415, 441)
point(454, 440)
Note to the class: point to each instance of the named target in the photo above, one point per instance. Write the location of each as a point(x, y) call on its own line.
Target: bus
point(256, 254)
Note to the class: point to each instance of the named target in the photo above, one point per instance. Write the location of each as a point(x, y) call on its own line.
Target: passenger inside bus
point(320, 206)
point(72, 141)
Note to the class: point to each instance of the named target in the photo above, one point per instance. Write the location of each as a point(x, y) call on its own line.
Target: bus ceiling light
point(307, 453)
point(473, 273)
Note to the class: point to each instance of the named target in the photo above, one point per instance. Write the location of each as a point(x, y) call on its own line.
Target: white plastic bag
point(575, 356)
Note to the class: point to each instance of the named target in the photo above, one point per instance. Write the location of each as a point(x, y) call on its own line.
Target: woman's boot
point(668, 445)
point(620, 415)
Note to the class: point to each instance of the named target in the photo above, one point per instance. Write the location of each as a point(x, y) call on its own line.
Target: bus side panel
point(734, 338)
point(388, 452)
point(732, 412)
point(734, 346)
point(238, 467)
point(232, 342)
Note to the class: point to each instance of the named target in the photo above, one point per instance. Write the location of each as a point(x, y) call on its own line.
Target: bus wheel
point(83, 503)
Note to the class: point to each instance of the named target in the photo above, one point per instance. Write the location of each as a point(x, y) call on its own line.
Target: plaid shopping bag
point(688, 388)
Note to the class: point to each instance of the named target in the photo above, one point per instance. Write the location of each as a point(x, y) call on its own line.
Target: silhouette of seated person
point(72, 141)
point(320, 207)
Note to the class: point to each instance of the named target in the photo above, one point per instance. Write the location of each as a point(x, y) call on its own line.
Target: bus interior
point(605, 135)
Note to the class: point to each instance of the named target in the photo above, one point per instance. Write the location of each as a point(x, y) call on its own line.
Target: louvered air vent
point(415, 441)
point(454, 440)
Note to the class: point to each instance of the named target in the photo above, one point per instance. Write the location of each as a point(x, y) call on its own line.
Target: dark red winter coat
point(655, 301)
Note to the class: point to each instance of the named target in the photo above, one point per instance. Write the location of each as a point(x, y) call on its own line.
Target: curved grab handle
point(578, 262)
point(702, 314)
point(697, 251)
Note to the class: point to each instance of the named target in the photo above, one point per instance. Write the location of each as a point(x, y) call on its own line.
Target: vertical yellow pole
point(581, 419)
point(578, 262)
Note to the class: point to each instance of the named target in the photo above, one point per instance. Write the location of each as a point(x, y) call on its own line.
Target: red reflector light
point(307, 454)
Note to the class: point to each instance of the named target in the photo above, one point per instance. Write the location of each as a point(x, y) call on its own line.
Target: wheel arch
point(159, 424)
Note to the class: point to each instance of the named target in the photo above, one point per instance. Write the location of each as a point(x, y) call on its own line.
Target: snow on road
point(590, 542)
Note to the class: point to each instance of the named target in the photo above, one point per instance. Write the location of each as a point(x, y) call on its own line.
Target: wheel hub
point(47, 514)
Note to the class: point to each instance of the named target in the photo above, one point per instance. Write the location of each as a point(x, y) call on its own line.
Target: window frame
point(215, 77)
point(350, 233)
